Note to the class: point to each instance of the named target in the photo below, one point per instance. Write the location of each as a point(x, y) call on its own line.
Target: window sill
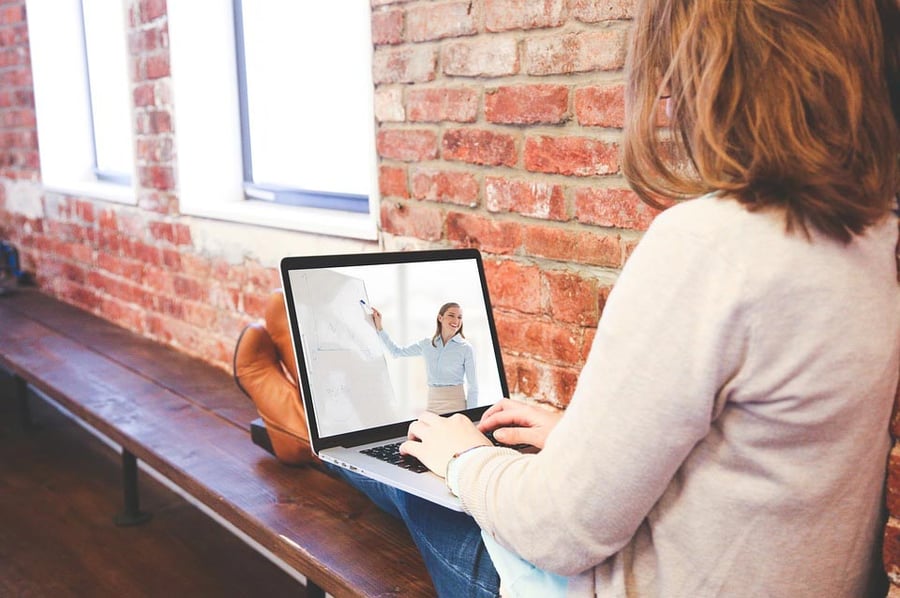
point(95, 190)
point(300, 219)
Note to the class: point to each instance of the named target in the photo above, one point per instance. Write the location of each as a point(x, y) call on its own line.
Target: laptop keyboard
point(391, 454)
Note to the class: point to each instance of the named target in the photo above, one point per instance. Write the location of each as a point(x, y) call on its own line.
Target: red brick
point(262, 277)
point(542, 383)
point(144, 41)
point(84, 211)
point(387, 27)
point(159, 280)
point(478, 146)
point(573, 298)
point(578, 156)
point(191, 288)
point(124, 290)
point(564, 380)
point(152, 122)
point(155, 149)
point(891, 549)
point(538, 199)
point(407, 145)
point(83, 297)
point(600, 50)
point(437, 21)
point(122, 313)
point(547, 340)
point(600, 106)
point(172, 232)
point(226, 297)
point(80, 252)
point(591, 333)
point(513, 285)
point(254, 303)
point(195, 266)
point(156, 177)
point(620, 208)
point(144, 94)
point(171, 258)
point(157, 66)
point(438, 104)
point(568, 245)
point(153, 201)
point(892, 498)
point(594, 11)
point(392, 182)
point(152, 10)
point(149, 254)
point(522, 375)
point(487, 234)
point(389, 104)
point(124, 268)
point(199, 314)
point(527, 104)
point(481, 57)
point(503, 15)
point(445, 186)
point(415, 220)
point(13, 14)
point(404, 65)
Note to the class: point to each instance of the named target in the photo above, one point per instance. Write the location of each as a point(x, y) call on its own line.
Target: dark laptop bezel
point(367, 259)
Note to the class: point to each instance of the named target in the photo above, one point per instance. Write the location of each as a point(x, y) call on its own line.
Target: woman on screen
point(449, 360)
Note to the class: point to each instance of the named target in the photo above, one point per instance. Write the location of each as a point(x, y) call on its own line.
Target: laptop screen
point(356, 379)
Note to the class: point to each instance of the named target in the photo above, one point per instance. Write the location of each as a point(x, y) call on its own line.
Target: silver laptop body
point(356, 394)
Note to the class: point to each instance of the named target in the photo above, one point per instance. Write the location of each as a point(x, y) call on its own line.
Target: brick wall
point(498, 127)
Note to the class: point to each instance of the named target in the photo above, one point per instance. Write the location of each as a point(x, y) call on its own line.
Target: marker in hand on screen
point(365, 307)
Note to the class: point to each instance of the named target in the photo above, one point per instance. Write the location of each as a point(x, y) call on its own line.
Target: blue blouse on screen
point(445, 365)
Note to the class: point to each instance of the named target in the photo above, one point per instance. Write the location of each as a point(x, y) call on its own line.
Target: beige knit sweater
point(729, 432)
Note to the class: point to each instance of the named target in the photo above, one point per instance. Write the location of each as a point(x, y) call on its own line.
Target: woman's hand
point(515, 422)
point(434, 440)
point(376, 317)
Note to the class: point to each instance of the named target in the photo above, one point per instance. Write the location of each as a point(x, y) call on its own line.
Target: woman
point(449, 360)
point(729, 432)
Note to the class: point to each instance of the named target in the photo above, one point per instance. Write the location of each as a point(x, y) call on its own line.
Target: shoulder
point(714, 228)
point(715, 218)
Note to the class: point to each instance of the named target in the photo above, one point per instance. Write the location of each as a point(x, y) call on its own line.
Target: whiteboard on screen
point(345, 362)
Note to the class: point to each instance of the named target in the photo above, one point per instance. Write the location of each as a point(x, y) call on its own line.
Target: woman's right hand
point(376, 317)
point(515, 422)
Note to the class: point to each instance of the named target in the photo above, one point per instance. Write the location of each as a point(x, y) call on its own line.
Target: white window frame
point(208, 136)
point(62, 102)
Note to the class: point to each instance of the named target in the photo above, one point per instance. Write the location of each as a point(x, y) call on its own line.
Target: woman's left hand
point(434, 440)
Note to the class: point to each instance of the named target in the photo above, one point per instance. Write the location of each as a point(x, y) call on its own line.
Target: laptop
point(358, 397)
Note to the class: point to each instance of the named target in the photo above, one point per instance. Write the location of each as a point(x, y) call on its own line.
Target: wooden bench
point(188, 422)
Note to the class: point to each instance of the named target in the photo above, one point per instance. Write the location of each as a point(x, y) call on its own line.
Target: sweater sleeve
point(670, 336)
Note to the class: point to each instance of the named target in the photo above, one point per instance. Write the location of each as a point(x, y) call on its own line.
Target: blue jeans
point(450, 541)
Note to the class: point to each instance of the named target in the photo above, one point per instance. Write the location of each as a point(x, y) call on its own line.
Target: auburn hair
point(785, 104)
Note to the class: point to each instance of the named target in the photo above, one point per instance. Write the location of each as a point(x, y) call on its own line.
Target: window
point(82, 97)
point(303, 126)
point(109, 90)
point(273, 113)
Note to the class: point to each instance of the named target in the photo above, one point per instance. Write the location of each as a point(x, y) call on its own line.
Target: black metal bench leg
point(22, 407)
point(132, 514)
point(313, 590)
